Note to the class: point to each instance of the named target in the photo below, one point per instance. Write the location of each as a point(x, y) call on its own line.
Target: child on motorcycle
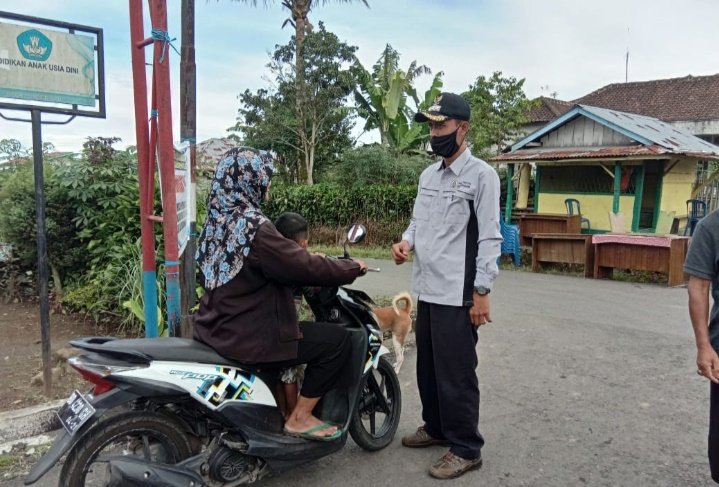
point(293, 227)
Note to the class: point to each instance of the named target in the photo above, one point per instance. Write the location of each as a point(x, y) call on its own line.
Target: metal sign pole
point(42, 266)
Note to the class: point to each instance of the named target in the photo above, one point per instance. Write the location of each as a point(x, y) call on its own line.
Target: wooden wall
point(584, 132)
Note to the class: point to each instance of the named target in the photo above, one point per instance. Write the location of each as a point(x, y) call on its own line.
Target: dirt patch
point(19, 461)
point(21, 353)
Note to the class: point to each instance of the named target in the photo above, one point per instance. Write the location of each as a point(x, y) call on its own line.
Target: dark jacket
point(252, 318)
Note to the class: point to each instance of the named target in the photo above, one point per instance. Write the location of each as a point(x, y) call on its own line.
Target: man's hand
point(708, 363)
point(400, 252)
point(479, 312)
point(363, 266)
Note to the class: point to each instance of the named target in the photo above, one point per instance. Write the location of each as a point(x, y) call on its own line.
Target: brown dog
point(399, 322)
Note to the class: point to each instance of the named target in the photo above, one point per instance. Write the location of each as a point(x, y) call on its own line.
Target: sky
point(567, 47)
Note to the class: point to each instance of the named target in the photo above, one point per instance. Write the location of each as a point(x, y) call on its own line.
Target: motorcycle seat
point(163, 349)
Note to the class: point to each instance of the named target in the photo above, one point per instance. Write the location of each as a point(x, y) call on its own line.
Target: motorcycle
point(172, 412)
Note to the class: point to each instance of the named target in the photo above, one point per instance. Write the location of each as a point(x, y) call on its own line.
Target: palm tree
point(299, 11)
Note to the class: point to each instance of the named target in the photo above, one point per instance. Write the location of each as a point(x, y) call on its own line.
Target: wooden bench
point(663, 254)
point(563, 248)
point(531, 223)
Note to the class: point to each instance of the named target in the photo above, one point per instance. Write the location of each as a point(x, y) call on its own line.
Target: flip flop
point(308, 434)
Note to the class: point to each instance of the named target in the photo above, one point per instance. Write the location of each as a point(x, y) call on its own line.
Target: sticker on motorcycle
point(228, 384)
point(373, 348)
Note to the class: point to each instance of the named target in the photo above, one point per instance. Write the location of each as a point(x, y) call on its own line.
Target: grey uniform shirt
point(454, 231)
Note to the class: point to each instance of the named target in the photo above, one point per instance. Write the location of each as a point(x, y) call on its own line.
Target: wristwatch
point(481, 290)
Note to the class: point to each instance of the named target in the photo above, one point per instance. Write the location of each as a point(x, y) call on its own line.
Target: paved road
point(583, 382)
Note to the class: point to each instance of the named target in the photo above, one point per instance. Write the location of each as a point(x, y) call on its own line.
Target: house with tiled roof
point(690, 104)
point(544, 111)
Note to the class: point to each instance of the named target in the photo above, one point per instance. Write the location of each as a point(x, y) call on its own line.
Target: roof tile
point(691, 98)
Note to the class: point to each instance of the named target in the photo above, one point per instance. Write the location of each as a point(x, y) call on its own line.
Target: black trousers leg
point(713, 449)
point(446, 374)
point(325, 348)
point(426, 379)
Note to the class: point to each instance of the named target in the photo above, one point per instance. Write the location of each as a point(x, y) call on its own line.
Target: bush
point(14, 284)
point(376, 164)
point(18, 222)
point(93, 225)
point(104, 188)
point(329, 208)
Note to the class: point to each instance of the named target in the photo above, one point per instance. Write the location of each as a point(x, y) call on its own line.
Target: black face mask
point(445, 145)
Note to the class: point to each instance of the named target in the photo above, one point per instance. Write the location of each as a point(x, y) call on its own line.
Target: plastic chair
point(696, 210)
point(510, 244)
point(571, 204)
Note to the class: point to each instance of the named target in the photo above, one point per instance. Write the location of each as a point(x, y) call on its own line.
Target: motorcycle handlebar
point(369, 269)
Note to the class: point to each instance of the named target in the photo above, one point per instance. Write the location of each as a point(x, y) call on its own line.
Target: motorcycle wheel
point(152, 436)
point(380, 401)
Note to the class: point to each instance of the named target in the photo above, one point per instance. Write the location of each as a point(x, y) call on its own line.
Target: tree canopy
point(499, 108)
point(267, 118)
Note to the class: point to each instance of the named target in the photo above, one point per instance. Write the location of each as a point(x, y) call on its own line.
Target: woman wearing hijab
point(248, 272)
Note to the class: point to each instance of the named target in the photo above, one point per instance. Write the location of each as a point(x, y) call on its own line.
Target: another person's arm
point(707, 359)
point(700, 264)
point(285, 261)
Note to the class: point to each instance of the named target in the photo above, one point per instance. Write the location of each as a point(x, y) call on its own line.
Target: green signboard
point(46, 65)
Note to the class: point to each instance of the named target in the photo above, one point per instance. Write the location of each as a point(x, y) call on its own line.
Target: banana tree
point(382, 100)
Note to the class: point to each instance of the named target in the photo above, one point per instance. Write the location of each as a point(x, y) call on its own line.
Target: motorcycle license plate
point(75, 412)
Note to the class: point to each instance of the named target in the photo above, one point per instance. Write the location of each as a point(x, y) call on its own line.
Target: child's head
point(293, 226)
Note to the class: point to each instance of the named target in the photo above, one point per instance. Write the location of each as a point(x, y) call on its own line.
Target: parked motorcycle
point(172, 412)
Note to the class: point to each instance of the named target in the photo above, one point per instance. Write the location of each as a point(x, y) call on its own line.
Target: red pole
point(161, 72)
point(145, 170)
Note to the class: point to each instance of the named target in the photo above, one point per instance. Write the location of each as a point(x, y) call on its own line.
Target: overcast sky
point(566, 46)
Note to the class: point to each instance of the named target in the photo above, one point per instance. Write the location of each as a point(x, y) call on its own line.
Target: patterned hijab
point(233, 214)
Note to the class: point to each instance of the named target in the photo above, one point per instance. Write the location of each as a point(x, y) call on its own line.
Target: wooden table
point(564, 248)
point(531, 223)
point(641, 252)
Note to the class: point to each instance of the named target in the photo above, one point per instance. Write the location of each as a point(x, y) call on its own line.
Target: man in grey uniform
point(456, 239)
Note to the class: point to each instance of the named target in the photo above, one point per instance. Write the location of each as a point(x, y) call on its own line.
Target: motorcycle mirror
point(356, 233)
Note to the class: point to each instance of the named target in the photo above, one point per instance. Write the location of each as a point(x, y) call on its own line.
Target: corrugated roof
point(653, 137)
point(587, 153)
point(659, 132)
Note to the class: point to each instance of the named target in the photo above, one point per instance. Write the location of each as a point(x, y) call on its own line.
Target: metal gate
point(709, 193)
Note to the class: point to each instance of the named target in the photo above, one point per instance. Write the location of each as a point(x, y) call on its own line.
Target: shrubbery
point(18, 222)
point(376, 164)
point(93, 226)
point(328, 207)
